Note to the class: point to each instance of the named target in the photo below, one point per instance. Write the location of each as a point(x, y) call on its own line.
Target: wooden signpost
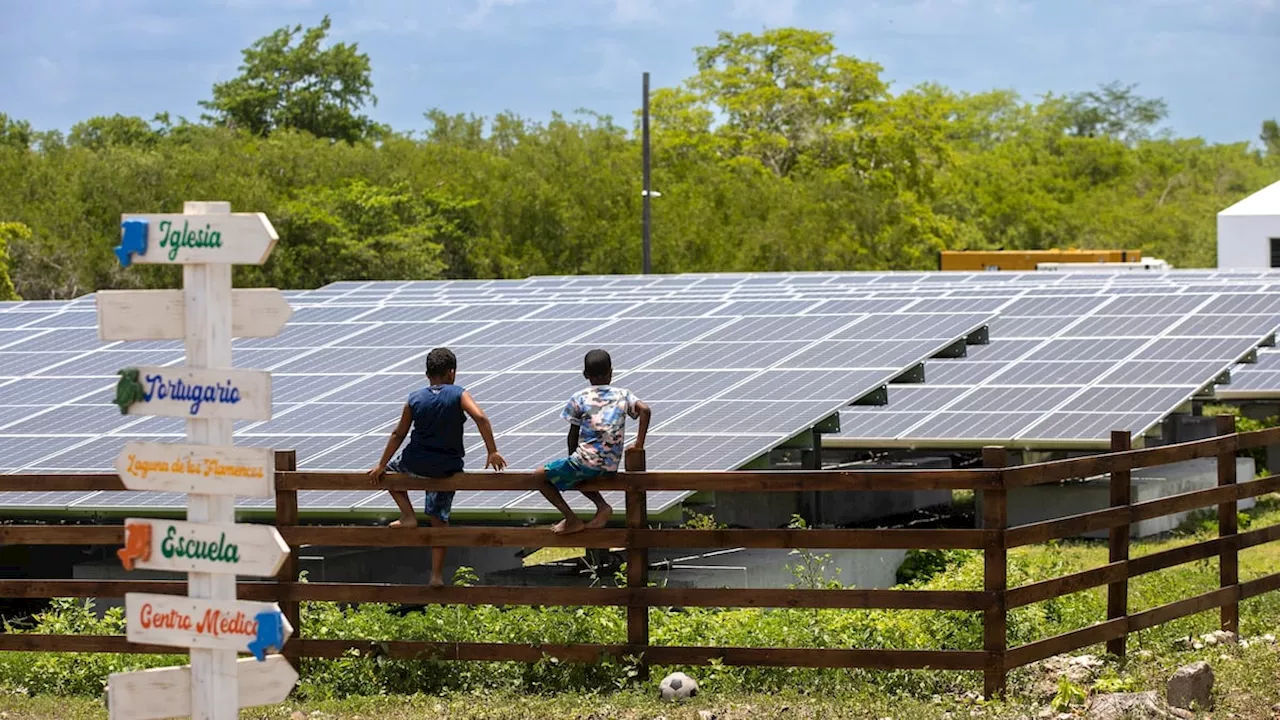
point(256, 550)
point(161, 314)
point(166, 692)
point(244, 471)
point(206, 239)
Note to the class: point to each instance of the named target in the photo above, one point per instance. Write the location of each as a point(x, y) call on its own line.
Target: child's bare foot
point(601, 518)
point(405, 521)
point(568, 527)
point(437, 581)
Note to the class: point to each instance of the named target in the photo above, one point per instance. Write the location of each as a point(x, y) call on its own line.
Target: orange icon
point(137, 544)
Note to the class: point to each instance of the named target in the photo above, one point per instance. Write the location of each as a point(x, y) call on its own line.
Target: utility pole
point(647, 264)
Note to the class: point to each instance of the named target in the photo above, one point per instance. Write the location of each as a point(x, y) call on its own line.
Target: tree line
point(777, 153)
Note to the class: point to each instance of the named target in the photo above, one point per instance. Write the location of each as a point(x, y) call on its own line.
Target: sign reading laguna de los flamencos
point(242, 549)
point(210, 394)
point(177, 467)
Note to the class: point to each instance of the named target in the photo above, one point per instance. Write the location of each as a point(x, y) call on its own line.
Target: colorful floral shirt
point(601, 412)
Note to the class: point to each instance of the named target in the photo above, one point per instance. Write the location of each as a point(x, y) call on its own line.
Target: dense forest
point(777, 153)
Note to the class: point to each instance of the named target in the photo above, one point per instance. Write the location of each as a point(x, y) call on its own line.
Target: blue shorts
point(439, 502)
point(567, 473)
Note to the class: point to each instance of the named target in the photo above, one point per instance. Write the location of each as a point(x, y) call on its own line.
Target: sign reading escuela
point(242, 549)
point(206, 394)
point(188, 622)
point(177, 467)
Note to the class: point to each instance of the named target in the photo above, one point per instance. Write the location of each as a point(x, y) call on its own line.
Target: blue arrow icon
point(270, 634)
point(133, 239)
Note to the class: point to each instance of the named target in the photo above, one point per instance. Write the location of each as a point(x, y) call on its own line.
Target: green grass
point(555, 554)
point(1248, 684)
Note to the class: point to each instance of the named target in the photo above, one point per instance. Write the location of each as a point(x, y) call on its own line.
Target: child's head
point(598, 367)
point(442, 366)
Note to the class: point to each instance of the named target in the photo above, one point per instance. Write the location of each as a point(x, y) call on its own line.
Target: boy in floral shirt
point(597, 418)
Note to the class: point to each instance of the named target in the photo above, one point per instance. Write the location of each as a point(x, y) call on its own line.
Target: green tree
point(9, 230)
point(298, 85)
point(101, 132)
point(1116, 111)
point(1271, 137)
point(15, 133)
point(784, 93)
point(364, 231)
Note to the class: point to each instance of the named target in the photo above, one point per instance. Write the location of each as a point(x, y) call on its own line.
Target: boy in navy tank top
point(432, 420)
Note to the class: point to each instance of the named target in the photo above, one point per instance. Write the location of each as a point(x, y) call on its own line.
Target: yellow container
point(970, 260)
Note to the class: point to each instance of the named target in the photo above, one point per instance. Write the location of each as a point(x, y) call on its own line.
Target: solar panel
point(755, 358)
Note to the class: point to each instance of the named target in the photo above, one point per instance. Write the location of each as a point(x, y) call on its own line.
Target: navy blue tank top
point(435, 445)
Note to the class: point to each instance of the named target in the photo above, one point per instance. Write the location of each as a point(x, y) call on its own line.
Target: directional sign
point(161, 314)
point(209, 469)
point(197, 393)
point(166, 692)
point(188, 622)
point(178, 239)
point(240, 549)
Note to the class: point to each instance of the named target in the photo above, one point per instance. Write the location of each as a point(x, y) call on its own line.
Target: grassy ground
point(1248, 683)
point(1248, 679)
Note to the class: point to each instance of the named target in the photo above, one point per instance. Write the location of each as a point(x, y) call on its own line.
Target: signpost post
point(206, 239)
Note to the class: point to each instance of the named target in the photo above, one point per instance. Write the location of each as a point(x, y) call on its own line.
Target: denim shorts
point(438, 503)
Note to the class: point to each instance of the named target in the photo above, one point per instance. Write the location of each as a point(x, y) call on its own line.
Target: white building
point(1249, 231)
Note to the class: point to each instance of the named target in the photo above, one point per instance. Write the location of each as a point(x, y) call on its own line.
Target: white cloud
point(484, 8)
point(773, 13)
point(627, 12)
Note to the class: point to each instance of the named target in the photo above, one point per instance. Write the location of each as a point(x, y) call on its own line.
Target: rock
point(706, 715)
point(1127, 706)
point(1079, 670)
point(1045, 714)
point(1191, 685)
point(1197, 645)
point(1220, 637)
point(1144, 654)
point(297, 715)
point(1269, 638)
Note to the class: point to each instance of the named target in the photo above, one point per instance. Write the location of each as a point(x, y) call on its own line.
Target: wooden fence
point(994, 538)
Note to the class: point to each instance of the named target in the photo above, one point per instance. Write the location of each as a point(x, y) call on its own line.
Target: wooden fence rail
point(995, 538)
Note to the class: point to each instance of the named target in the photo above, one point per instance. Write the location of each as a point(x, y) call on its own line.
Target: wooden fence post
point(1121, 496)
point(287, 514)
point(995, 518)
point(1228, 560)
point(637, 566)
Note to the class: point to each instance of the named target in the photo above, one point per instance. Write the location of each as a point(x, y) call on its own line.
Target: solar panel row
point(733, 364)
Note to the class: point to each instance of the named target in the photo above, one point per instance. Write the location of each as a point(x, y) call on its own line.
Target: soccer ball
point(677, 686)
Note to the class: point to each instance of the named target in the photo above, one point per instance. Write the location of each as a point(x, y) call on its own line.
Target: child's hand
point(375, 475)
point(495, 461)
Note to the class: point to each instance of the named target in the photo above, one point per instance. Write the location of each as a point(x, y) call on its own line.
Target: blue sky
point(1214, 61)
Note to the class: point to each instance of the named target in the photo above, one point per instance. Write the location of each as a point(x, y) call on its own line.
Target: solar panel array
point(1067, 371)
point(732, 364)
